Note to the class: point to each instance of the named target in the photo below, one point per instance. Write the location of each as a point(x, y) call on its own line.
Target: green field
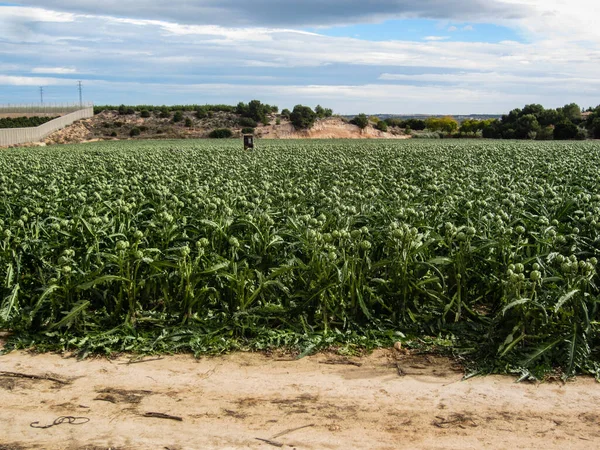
point(486, 249)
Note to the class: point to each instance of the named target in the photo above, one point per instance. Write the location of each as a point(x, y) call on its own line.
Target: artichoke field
point(489, 246)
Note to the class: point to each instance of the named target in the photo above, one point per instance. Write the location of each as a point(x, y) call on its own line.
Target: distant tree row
point(24, 122)
point(251, 114)
point(536, 122)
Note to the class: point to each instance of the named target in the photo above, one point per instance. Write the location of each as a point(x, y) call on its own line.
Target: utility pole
point(42, 94)
point(80, 95)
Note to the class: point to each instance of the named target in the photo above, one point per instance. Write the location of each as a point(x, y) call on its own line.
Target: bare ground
point(388, 400)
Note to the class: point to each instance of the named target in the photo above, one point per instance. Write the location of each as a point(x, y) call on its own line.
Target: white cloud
point(468, 28)
point(12, 80)
point(436, 38)
point(551, 67)
point(54, 70)
point(452, 28)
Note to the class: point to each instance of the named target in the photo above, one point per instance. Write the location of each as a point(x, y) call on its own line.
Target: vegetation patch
point(484, 249)
point(24, 122)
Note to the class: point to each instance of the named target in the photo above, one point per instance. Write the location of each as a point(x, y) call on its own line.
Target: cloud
point(436, 38)
point(54, 70)
point(12, 80)
point(468, 28)
point(287, 13)
point(155, 60)
point(452, 28)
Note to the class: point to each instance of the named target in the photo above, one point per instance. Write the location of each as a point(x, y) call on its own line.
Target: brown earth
point(387, 400)
point(108, 125)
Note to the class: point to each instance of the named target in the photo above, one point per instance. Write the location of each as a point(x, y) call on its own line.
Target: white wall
point(12, 136)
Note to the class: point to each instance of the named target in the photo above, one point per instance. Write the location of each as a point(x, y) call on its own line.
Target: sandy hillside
point(108, 125)
point(333, 128)
point(387, 400)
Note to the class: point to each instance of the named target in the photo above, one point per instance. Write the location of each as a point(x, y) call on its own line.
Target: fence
point(12, 136)
point(45, 108)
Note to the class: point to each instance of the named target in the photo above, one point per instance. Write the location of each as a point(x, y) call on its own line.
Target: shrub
point(565, 130)
point(201, 113)
point(381, 126)
point(302, 117)
point(135, 131)
point(113, 134)
point(286, 113)
point(361, 121)
point(118, 124)
point(220, 133)
point(247, 122)
point(145, 113)
point(178, 116)
point(143, 128)
point(189, 122)
point(248, 130)
point(278, 121)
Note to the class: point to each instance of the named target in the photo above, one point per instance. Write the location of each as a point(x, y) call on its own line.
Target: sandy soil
point(333, 128)
point(387, 400)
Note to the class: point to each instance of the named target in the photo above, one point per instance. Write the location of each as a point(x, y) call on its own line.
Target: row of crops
point(487, 248)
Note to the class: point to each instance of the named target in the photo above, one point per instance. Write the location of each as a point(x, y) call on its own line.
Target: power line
point(80, 93)
point(42, 94)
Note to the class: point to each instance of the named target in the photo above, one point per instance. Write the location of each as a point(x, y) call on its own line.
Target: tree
point(178, 116)
point(571, 112)
point(145, 113)
point(286, 113)
point(493, 130)
point(361, 121)
point(302, 117)
point(447, 124)
point(534, 109)
point(258, 111)
point(527, 127)
point(549, 117)
point(416, 124)
point(188, 122)
point(565, 130)
point(595, 128)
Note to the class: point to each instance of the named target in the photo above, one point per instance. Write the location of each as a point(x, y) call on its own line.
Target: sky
point(372, 56)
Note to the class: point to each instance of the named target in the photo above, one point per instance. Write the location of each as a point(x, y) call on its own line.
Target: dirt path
point(229, 402)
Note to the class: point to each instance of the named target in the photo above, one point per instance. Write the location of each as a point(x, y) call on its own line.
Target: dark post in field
point(248, 141)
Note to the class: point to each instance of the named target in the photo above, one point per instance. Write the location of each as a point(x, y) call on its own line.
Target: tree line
point(24, 122)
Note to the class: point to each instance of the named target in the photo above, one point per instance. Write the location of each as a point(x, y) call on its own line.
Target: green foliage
point(361, 121)
point(248, 130)
point(256, 111)
point(323, 113)
point(189, 123)
point(178, 116)
point(145, 113)
point(286, 113)
point(487, 248)
point(302, 117)
point(535, 122)
point(126, 110)
point(446, 124)
point(24, 122)
point(220, 133)
point(165, 113)
point(565, 130)
point(381, 126)
point(247, 122)
point(135, 131)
